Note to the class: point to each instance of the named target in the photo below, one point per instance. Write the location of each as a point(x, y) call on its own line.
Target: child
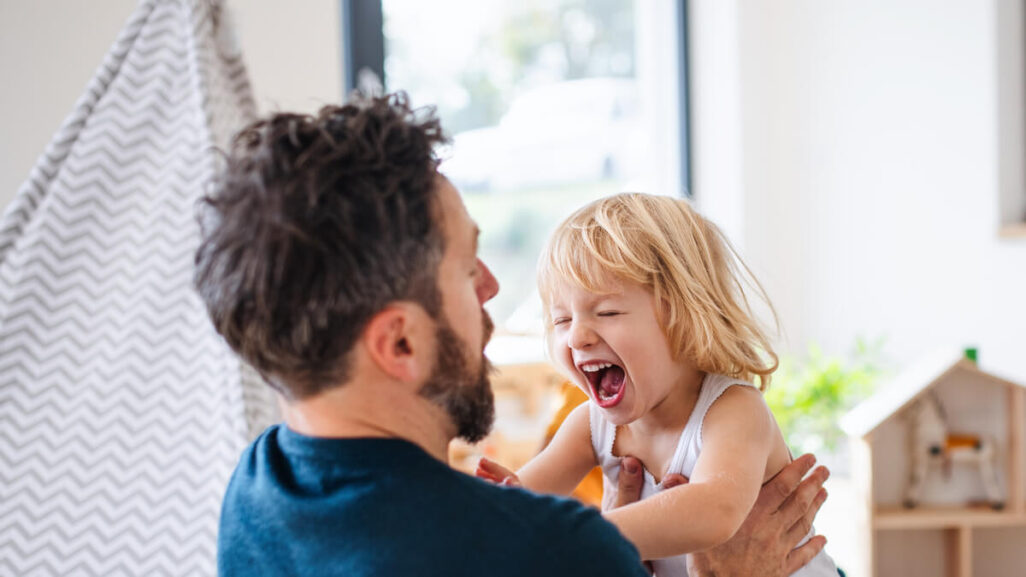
point(646, 311)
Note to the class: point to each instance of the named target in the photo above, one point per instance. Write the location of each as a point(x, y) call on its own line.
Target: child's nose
point(581, 336)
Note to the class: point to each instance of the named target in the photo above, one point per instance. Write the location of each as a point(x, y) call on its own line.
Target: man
point(339, 263)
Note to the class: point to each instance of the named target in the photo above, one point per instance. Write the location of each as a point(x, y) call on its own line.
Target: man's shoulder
point(255, 455)
point(363, 518)
point(564, 533)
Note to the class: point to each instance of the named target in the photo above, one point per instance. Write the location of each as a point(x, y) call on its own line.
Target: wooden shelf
point(1013, 230)
point(899, 518)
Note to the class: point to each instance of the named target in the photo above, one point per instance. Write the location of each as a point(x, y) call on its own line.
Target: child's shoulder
point(723, 390)
point(741, 412)
point(734, 401)
point(720, 390)
point(723, 383)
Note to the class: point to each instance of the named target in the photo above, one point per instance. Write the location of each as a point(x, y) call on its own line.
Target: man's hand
point(765, 543)
point(630, 481)
point(781, 517)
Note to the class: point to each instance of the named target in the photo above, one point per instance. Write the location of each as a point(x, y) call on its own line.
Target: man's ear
point(398, 342)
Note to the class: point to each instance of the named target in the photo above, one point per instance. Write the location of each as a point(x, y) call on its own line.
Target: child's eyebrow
point(593, 301)
point(602, 298)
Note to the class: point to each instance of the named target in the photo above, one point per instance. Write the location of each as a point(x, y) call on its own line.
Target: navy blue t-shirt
point(300, 505)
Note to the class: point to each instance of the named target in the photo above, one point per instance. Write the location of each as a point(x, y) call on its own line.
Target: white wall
point(49, 49)
point(293, 51)
point(876, 141)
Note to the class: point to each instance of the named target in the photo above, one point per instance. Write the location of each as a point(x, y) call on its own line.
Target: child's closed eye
point(609, 313)
point(560, 321)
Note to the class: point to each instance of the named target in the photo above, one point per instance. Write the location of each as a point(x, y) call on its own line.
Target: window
point(549, 103)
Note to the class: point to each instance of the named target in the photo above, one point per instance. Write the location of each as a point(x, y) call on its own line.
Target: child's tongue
point(612, 380)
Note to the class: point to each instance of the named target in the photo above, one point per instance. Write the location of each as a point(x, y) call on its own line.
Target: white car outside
point(572, 131)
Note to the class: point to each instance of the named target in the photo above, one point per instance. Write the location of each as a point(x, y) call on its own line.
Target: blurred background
point(866, 158)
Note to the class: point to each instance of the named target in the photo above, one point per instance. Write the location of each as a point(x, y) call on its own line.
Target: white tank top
point(603, 436)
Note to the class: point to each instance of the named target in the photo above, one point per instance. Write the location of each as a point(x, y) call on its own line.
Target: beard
point(463, 393)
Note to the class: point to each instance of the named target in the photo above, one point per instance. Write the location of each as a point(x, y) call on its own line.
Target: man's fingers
point(783, 484)
point(803, 525)
point(628, 485)
point(673, 480)
point(802, 555)
point(801, 503)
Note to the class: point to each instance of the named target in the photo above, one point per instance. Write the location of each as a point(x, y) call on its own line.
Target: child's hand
point(496, 473)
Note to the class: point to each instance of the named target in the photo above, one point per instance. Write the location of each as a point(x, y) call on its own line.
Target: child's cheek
point(560, 353)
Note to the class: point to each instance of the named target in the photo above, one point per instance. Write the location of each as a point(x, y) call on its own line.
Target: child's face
point(613, 348)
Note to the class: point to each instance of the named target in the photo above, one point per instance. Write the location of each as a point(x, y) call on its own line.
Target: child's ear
point(398, 341)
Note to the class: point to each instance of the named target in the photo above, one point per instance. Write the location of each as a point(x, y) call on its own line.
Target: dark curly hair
point(315, 224)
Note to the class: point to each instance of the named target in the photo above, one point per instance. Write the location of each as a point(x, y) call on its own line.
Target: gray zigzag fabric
point(122, 413)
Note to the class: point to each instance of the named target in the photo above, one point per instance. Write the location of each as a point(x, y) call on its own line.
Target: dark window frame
point(363, 41)
point(363, 49)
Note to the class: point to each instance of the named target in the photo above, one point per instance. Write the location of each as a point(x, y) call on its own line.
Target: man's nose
point(488, 286)
point(581, 336)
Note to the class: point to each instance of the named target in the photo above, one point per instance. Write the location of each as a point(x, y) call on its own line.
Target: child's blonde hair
point(663, 244)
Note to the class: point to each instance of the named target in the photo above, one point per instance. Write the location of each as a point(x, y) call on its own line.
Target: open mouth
point(607, 382)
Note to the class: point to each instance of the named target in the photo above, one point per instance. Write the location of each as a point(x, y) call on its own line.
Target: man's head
point(319, 226)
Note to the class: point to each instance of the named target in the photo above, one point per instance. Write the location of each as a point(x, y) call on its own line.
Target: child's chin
point(617, 415)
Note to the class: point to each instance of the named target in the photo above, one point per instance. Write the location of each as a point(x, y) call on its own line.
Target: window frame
point(363, 41)
point(363, 49)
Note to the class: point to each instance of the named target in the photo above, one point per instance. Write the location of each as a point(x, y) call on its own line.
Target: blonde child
point(646, 311)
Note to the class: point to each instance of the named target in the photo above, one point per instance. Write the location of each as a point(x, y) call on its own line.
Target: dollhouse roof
point(894, 396)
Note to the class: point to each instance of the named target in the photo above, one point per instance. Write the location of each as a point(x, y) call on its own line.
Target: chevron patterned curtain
point(122, 413)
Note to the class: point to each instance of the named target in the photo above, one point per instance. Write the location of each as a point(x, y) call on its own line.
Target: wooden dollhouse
point(938, 463)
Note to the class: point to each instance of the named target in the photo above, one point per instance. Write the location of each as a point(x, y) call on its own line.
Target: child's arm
point(561, 465)
point(737, 437)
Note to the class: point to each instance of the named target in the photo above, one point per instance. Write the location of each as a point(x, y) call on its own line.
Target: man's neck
point(359, 410)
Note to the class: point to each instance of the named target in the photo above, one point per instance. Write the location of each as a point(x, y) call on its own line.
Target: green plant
point(808, 396)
